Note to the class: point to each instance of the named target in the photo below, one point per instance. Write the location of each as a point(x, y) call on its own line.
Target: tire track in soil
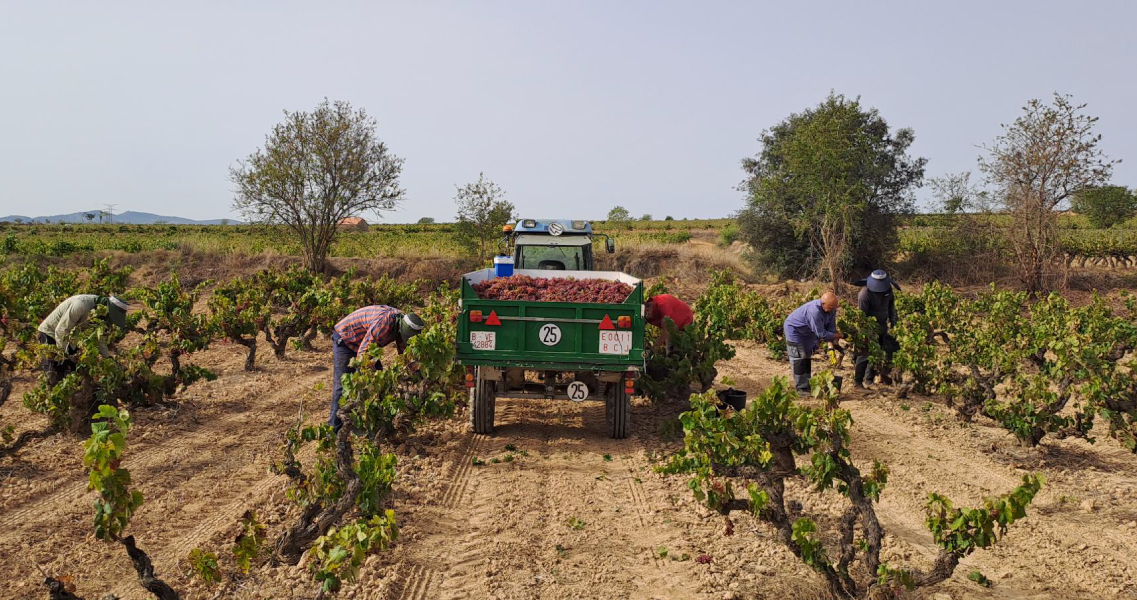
point(466, 540)
point(417, 581)
point(467, 555)
point(639, 504)
point(15, 523)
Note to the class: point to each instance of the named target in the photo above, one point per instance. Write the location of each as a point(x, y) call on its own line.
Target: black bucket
point(733, 398)
point(837, 379)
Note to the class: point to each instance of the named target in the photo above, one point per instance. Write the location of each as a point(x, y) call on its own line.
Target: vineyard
point(922, 237)
point(189, 464)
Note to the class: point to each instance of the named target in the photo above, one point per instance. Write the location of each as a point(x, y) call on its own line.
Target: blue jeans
point(801, 366)
point(341, 356)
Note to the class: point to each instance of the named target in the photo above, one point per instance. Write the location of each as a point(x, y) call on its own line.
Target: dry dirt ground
point(502, 529)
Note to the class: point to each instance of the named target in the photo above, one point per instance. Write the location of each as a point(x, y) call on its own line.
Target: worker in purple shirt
point(813, 321)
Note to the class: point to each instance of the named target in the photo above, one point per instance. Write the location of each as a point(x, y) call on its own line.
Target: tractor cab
point(554, 244)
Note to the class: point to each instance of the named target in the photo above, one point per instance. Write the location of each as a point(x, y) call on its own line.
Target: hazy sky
point(572, 107)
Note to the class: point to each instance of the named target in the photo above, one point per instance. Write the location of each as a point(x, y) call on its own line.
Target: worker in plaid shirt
point(355, 333)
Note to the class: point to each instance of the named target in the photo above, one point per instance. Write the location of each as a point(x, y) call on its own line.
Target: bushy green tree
point(619, 214)
point(826, 191)
point(1106, 206)
point(482, 212)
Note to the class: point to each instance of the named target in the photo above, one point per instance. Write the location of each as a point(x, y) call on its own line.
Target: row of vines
point(1033, 366)
point(343, 495)
point(1078, 247)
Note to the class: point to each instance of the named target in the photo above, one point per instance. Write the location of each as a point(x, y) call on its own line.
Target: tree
point(827, 189)
point(315, 170)
point(646, 217)
point(619, 214)
point(481, 214)
point(1105, 206)
point(1039, 163)
point(89, 216)
point(956, 194)
point(669, 218)
point(426, 221)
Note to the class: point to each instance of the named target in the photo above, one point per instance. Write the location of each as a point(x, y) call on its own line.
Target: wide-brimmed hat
point(116, 310)
point(409, 326)
point(878, 281)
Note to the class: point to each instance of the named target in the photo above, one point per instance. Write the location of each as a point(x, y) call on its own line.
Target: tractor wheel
point(482, 400)
point(618, 410)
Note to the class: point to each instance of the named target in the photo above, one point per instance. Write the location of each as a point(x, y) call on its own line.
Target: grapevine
point(352, 475)
point(103, 453)
point(751, 454)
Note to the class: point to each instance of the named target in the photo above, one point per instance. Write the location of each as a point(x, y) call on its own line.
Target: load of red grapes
point(524, 287)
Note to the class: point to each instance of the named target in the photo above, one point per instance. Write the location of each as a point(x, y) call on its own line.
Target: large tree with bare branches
point(1036, 167)
point(316, 169)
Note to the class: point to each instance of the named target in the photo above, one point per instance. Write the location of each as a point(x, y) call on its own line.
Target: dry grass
point(691, 263)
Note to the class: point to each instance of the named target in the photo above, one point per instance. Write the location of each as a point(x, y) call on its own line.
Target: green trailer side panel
point(550, 335)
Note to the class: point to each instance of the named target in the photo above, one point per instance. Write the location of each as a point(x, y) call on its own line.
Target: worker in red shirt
point(666, 306)
point(357, 332)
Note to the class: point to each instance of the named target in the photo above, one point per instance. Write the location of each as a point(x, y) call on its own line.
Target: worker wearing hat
point(357, 332)
point(73, 312)
point(877, 300)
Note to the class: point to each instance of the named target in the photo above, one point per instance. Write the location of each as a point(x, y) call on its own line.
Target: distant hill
point(129, 218)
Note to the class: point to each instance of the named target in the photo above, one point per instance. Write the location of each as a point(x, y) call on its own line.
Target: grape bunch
point(524, 287)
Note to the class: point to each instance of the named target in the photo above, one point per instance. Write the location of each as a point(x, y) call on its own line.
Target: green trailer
point(551, 350)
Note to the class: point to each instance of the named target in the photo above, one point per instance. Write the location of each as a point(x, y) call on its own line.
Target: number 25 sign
point(549, 334)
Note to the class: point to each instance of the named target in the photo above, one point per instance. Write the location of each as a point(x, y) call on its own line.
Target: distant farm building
point(353, 224)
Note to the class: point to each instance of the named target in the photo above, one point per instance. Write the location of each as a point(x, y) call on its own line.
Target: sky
point(571, 107)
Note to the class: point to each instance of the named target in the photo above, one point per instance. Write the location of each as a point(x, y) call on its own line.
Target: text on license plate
point(483, 340)
point(615, 342)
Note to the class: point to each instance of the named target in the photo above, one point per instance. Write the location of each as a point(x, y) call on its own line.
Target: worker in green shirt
point(73, 312)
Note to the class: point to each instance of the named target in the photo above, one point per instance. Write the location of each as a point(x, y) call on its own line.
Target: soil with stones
point(548, 507)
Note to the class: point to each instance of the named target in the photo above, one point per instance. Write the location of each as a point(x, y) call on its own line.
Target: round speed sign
point(577, 391)
point(549, 334)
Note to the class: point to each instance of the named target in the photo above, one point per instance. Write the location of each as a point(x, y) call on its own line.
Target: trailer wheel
point(618, 411)
point(483, 399)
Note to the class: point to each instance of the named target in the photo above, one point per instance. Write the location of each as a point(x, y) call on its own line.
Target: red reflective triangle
point(607, 323)
point(492, 319)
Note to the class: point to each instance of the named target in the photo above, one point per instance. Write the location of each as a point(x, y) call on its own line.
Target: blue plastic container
point(503, 266)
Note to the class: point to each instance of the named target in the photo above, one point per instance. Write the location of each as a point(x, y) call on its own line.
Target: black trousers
point(54, 369)
point(863, 370)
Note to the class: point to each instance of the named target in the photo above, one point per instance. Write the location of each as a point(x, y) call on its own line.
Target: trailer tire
point(483, 399)
point(618, 412)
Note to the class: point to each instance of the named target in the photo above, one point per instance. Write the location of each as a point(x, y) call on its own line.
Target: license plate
point(483, 340)
point(615, 342)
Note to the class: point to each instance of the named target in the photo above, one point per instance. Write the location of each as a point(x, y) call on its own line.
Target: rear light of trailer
point(629, 382)
point(469, 377)
point(475, 316)
point(624, 322)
